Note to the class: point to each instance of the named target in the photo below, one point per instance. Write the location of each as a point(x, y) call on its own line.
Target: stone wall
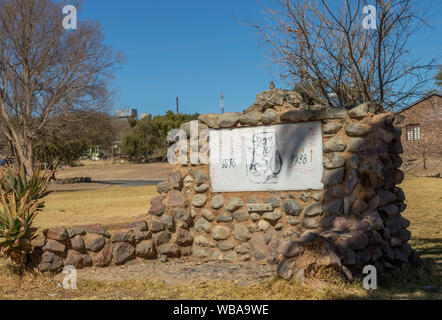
point(356, 220)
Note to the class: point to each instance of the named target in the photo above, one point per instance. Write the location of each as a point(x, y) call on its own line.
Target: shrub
point(33, 187)
point(15, 226)
point(20, 201)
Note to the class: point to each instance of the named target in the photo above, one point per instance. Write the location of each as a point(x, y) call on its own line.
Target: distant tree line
point(147, 138)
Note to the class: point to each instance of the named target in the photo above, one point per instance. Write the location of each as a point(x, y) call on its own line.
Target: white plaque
point(277, 157)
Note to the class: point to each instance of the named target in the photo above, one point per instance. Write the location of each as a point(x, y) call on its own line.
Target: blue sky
point(194, 49)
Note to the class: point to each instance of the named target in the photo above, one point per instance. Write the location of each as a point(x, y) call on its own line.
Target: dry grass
point(424, 211)
point(108, 206)
point(30, 286)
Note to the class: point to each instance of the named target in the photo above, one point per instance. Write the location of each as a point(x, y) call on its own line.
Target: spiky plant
point(16, 218)
point(14, 180)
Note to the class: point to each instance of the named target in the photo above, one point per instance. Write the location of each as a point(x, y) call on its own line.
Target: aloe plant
point(20, 201)
point(16, 232)
point(14, 180)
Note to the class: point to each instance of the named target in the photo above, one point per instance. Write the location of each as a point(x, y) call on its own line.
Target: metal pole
point(221, 97)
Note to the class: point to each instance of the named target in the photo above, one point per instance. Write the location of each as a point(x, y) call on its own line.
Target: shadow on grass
point(407, 282)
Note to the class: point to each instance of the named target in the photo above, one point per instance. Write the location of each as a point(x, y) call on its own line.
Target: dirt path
point(179, 272)
point(147, 171)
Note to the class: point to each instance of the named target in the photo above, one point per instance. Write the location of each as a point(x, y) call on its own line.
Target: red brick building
point(422, 127)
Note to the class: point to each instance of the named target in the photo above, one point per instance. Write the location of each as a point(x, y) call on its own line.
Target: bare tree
point(438, 77)
point(322, 44)
point(47, 71)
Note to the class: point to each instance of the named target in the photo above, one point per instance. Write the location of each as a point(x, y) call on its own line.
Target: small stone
point(202, 252)
point(168, 221)
point(163, 187)
point(161, 238)
point(59, 234)
point(250, 118)
point(255, 216)
point(220, 233)
point(170, 251)
point(317, 196)
point(183, 238)
point(122, 252)
point(230, 256)
point(268, 116)
point(224, 218)
point(335, 144)
point(200, 176)
point(263, 225)
point(234, 204)
point(182, 215)
point(241, 233)
point(157, 208)
point(77, 243)
point(54, 246)
point(142, 235)
point(357, 130)
point(228, 119)
point(331, 113)
point(217, 202)
point(336, 192)
point(163, 258)
point(207, 214)
point(253, 227)
point(312, 210)
point(176, 199)
point(242, 248)
point(332, 177)
point(333, 161)
point(297, 115)
point(156, 225)
point(385, 197)
point(188, 181)
point(146, 250)
point(139, 225)
point(335, 207)
point(201, 188)
point(95, 244)
point(274, 201)
point(122, 236)
point(305, 196)
point(241, 215)
point(293, 221)
point(310, 223)
point(362, 110)
point(203, 242)
point(211, 119)
point(177, 180)
point(199, 200)
point(76, 231)
point(259, 247)
point(272, 217)
point(50, 262)
point(202, 224)
point(357, 145)
point(332, 127)
point(225, 246)
point(293, 208)
point(104, 257)
point(354, 161)
point(390, 211)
